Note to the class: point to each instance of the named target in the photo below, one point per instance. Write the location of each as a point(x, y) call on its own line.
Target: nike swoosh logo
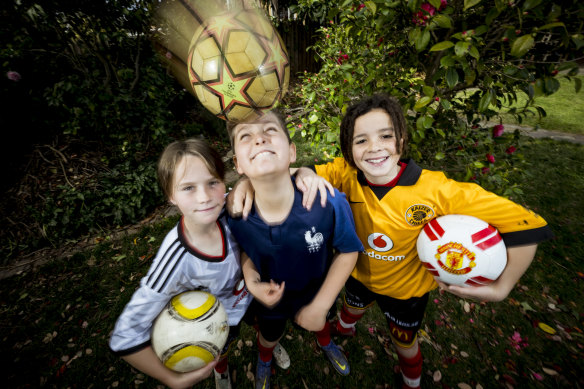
point(264, 384)
point(339, 365)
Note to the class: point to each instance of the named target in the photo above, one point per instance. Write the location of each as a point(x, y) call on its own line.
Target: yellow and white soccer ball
point(462, 250)
point(238, 65)
point(190, 331)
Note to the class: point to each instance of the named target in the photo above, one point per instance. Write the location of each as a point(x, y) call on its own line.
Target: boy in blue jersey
point(296, 261)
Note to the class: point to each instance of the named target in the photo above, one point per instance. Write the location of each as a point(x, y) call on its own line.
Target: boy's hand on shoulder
point(311, 318)
point(240, 200)
point(268, 293)
point(488, 293)
point(309, 183)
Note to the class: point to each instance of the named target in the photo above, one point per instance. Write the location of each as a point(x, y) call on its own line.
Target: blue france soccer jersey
point(300, 249)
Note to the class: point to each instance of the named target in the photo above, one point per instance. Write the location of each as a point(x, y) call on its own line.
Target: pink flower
point(485, 170)
point(517, 342)
point(491, 158)
point(511, 150)
point(361, 6)
point(428, 8)
point(13, 76)
point(498, 130)
point(168, 55)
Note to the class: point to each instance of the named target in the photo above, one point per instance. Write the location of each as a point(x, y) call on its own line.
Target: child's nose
point(203, 195)
point(260, 138)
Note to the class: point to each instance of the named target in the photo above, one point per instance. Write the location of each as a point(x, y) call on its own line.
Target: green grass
point(565, 109)
point(56, 320)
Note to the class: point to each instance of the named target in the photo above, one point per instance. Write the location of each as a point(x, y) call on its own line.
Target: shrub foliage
point(452, 64)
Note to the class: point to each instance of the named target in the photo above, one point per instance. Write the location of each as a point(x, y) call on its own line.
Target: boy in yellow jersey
point(391, 200)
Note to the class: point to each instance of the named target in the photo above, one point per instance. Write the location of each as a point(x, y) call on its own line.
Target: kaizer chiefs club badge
point(419, 214)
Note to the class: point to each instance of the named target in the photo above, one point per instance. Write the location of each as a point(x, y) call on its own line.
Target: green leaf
point(422, 103)
point(461, 48)
point(435, 3)
point(446, 104)
point(442, 20)
point(428, 91)
point(577, 85)
point(451, 77)
point(480, 30)
point(423, 40)
point(491, 15)
point(474, 52)
point(442, 46)
point(552, 25)
point(470, 3)
point(529, 4)
point(478, 164)
point(551, 85)
point(439, 155)
point(522, 45)
point(447, 61)
point(313, 118)
point(485, 101)
point(371, 6)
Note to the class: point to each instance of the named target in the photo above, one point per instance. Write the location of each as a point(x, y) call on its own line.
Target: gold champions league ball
point(462, 250)
point(237, 64)
point(190, 331)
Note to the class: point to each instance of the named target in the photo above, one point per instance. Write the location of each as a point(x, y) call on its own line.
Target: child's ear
point(292, 153)
point(237, 165)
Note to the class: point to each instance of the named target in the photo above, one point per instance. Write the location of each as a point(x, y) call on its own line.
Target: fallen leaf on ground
point(548, 371)
point(544, 327)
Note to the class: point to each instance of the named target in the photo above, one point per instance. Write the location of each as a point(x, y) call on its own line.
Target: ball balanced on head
point(238, 65)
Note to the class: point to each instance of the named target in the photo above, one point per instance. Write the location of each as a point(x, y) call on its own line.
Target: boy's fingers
point(247, 206)
point(309, 196)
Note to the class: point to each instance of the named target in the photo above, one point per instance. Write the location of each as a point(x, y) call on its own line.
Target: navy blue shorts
point(404, 317)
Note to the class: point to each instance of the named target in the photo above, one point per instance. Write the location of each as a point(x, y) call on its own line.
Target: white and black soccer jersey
point(299, 250)
point(179, 267)
point(389, 220)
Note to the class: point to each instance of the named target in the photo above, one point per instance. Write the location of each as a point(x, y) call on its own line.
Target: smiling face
point(262, 148)
point(374, 147)
point(196, 192)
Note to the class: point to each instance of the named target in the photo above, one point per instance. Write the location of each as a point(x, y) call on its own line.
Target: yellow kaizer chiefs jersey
point(388, 222)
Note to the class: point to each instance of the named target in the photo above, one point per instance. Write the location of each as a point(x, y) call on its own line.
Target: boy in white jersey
point(198, 253)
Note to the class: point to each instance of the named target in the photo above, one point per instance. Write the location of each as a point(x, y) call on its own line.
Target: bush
point(452, 65)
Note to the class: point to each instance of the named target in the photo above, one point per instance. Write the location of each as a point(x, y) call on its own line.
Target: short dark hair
point(174, 153)
point(277, 113)
point(365, 105)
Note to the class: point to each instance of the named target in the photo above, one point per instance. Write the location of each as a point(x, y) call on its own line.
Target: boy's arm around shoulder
point(519, 259)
